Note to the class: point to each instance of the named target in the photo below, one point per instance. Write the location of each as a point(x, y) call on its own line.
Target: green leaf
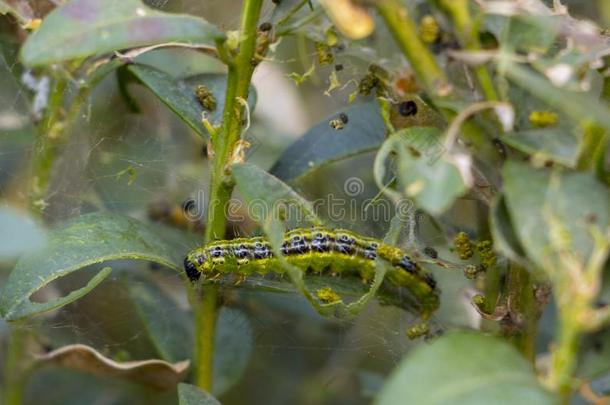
point(86, 240)
point(170, 330)
point(504, 236)
point(266, 194)
point(578, 106)
point(546, 206)
point(179, 94)
point(191, 395)
point(527, 33)
point(552, 144)
point(323, 145)
point(20, 234)
point(83, 28)
point(167, 326)
point(464, 368)
point(423, 174)
point(233, 342)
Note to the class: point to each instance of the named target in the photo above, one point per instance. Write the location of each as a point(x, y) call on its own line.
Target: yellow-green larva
point(317, 249)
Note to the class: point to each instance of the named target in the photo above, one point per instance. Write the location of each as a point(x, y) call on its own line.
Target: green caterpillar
point(316, 249)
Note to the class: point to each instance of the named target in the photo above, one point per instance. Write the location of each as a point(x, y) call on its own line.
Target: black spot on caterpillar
point(317, 249)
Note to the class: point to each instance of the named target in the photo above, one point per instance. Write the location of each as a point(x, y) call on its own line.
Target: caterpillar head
point(191, 267)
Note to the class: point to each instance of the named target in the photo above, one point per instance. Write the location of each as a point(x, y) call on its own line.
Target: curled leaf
point(157, 373)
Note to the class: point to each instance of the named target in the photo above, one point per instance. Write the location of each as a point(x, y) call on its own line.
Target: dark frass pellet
point(431, 252)
point(344, 118)
point(407, 108)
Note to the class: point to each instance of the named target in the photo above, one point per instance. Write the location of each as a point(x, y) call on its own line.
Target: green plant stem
point(52, 134)
point(469, 38)
point(565, 354)
point(523, 306)
point(240, 73)
point(403, 28)
point(492, 289)
point(44, 150)
point(205, 325)
point(575, 291)
point(14, 367)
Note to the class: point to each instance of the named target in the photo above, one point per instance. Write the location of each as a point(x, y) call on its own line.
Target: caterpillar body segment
point(317, 250)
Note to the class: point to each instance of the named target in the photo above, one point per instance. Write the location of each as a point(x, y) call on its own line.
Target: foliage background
point(120, 161)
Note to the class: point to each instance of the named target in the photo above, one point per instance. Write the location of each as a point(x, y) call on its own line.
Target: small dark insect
point(431, 252)
point(338, 124)
point(339, 67)
point(407, 108)
point(344, 118)
point(266, 26)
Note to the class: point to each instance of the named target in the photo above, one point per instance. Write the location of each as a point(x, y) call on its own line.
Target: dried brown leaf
point(157, 373)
